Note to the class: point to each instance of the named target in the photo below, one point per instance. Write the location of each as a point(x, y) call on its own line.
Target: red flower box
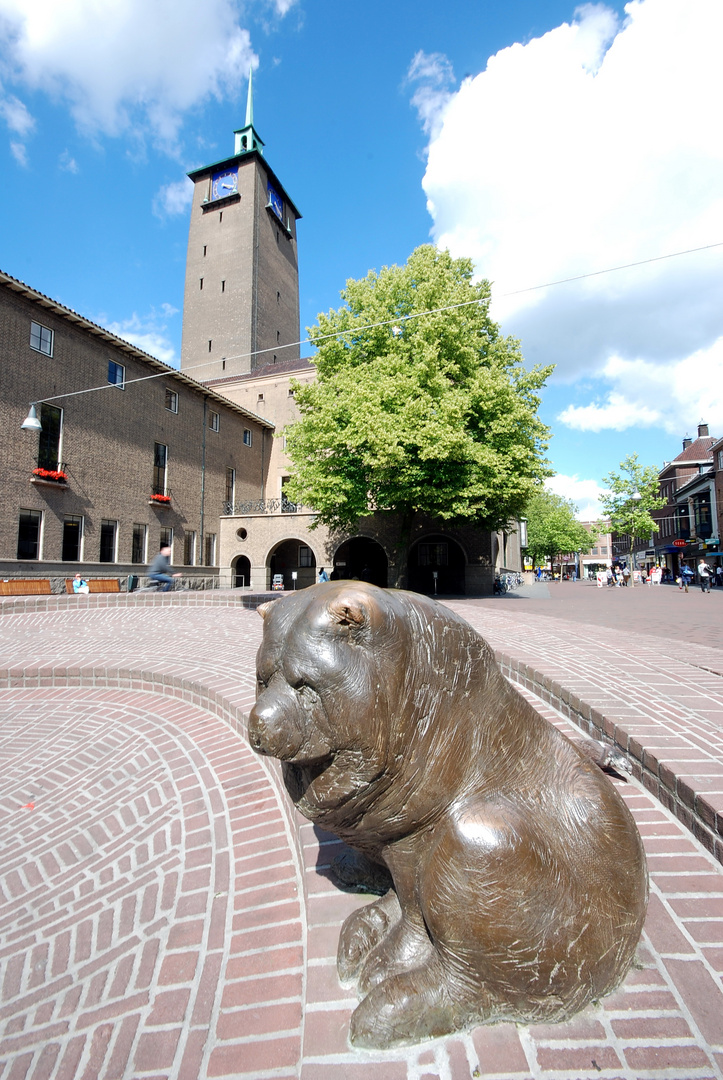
point(50, 474)
point(161, 498)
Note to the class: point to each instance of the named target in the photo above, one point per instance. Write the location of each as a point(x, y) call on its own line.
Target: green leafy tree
point(632, 496)
point(420, 405)
point(553, 529)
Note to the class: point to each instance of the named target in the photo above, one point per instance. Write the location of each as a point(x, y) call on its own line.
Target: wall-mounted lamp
point(31, 422)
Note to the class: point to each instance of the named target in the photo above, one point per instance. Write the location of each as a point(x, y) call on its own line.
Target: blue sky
point(542, 139)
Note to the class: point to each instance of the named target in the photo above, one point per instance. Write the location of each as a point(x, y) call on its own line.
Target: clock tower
point(241, 301)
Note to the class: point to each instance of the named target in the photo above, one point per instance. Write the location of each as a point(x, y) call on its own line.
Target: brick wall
point(249, 269)
point(108, 439)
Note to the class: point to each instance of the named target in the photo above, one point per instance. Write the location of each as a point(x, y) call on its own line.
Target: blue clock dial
point(275, 203)
point(224, 183)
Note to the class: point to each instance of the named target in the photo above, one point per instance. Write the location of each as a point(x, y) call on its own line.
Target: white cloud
point(434, 75)
point(675, 397)
point(127, 65)
point(147, 332)
point(19, 152)
point(584, 493)
point(174, 198)
point(283, 6)
point(590, 147)
point(68, 163)
point(15, 114)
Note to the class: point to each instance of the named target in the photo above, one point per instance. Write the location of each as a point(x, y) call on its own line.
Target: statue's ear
point(263, 609)
point(347, 611)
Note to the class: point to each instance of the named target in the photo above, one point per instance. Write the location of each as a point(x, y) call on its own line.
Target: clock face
point(224, 183)
point(275, 203)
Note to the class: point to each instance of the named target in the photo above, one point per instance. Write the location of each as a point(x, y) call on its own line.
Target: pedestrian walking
point(686, 576)
point(704, 572)
point(626, 575)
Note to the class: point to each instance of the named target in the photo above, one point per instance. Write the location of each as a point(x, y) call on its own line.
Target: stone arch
point(240, 572)
point(363, 558)
point(286, 558)
point(440, 554)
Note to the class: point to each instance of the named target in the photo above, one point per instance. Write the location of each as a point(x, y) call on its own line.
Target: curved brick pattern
point(132, 892)
point(235, 975)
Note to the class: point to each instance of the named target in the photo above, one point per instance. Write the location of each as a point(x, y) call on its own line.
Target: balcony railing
point(263, 506)
point(160, 496)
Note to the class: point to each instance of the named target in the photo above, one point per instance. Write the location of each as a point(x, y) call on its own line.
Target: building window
point(230, 486)
point(432, 555)
point(210, 553)
point(720, 459)
point(72, 539)
point(49, 442)
point(160, 464)
point(247, 437)
point(214, 421)
point(41, 339)
point(278, 336)
point(204, 251)
point(171, 400)
point(189, 549)
point(223, 286)
point(167, 539)
point(29, 528)
point(306, 556)
point(291, 392)
point(259, 399)
point(108, 534)
point(209, 346)
point(138, 549)
point(200, 283)
point(278, 297)
point(223, 365)
point(116, 374)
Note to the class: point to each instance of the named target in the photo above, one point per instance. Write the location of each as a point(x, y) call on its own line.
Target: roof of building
point(698, 453)
point(105, 335)
point(285, 367)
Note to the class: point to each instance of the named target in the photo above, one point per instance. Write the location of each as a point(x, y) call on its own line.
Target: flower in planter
point(50, 474)
point(161, 498)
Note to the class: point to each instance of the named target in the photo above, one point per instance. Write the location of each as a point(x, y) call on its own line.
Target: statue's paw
point(401, 950)
point(362, 931)
point(403, 1009)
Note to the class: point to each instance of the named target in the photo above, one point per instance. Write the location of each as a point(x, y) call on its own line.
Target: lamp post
point(634, 498)
point(31, 422)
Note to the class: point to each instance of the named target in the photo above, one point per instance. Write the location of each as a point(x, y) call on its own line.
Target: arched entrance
point(361, 558)
point(292, 557)
point(438, 555)
point(241, 570)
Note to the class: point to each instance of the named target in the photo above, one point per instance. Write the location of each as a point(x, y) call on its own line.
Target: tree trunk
point(403, 544)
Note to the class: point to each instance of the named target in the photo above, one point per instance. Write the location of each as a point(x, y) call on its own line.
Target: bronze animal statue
point(520, 883)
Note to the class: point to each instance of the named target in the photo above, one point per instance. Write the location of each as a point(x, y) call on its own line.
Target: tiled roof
point(285, 367)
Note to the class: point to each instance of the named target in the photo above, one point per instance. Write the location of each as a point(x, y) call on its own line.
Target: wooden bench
point(25, 587)
point(97, 585)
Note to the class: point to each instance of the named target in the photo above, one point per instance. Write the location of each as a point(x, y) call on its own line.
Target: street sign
point(679, 543)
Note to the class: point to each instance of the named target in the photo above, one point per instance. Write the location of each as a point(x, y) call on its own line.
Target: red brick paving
point(162, 914)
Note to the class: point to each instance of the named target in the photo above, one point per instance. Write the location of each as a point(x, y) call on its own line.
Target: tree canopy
point(633, 493)
point(420, 404)
point(553, 529)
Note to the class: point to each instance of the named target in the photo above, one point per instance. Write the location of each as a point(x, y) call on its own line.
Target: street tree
point(420, 405)
point(632, 495)
point(553, 530)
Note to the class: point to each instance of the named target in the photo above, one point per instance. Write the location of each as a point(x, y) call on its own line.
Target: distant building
point(241, 300)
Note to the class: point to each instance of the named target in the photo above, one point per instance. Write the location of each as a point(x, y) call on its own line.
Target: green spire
point(247, 138)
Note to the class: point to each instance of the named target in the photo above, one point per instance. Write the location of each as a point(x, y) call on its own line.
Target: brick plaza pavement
point(163, 914)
